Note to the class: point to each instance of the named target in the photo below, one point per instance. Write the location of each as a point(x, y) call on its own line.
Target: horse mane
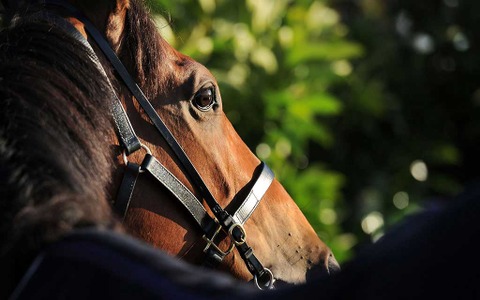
point(55, 161)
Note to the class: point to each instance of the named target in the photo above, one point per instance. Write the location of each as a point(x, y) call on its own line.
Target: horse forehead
point(186, 69)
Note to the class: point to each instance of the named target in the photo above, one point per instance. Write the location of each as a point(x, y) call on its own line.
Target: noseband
point(229, 223)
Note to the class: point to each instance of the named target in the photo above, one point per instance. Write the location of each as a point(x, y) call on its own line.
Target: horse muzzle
point(328, 268)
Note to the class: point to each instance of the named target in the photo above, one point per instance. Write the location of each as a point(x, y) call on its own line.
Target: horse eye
point(204, 99)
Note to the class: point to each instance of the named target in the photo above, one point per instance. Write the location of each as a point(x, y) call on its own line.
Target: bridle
point(229, 223)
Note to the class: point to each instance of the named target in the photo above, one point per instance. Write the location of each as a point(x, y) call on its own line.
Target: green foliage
point(408, 134)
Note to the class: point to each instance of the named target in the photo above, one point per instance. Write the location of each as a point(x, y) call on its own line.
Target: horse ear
point(116, 22)
point(108, 16)
point(123, 4)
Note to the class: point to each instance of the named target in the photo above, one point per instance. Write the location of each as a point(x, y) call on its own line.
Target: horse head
point(187, 98)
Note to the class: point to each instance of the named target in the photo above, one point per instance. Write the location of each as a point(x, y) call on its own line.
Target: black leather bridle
point(231, 224)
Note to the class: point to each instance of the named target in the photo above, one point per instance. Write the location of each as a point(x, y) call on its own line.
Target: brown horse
point(187, 97)
point(59, 237)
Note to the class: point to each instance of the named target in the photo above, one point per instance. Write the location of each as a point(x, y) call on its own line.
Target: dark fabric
point(92, 264)
point(432, 255)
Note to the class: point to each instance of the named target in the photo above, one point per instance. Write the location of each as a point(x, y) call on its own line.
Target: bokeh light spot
point(419, 170)
point(346, 240)
point(342, 67)
point(238, 75)
point(263, 151)
point(285, 36)
point(208, 6)
point(205, 45)
point(328, 216)
point(401, 200)
point(372, 222)
point(460, 42)
point(403, 24)
point(264, 57)
point(283, 148)
point(423, 43)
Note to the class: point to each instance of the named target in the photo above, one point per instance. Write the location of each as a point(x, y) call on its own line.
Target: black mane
point(55, 159)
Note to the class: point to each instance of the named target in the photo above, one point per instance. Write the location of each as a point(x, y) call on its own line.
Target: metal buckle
point(211, 242)
point(269, 284)
point(244, 234)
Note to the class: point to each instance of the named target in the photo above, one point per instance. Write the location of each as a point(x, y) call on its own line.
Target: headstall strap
point(223, 221)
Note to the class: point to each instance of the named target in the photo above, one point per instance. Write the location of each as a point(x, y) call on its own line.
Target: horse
point(186, 98)
point(55, 170)
point(56, 225)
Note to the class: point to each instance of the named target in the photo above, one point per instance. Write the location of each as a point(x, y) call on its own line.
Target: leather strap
point(262, 275)
point(125, 192)
point(259, 189)
point(125, 132)
point(180, 191)
point(213, 255)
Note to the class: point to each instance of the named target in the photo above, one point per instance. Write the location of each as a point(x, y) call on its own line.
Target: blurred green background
point(367, 110)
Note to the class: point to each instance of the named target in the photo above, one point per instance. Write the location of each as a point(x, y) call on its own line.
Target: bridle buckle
point(211, 243)
point(243, 234)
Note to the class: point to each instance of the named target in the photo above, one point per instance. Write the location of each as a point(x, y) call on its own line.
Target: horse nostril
point(329, 267)
point(332, 265)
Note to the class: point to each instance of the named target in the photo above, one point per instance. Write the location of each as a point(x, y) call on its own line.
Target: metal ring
point(124, 153)
point(270, 283)
point(230, 232)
